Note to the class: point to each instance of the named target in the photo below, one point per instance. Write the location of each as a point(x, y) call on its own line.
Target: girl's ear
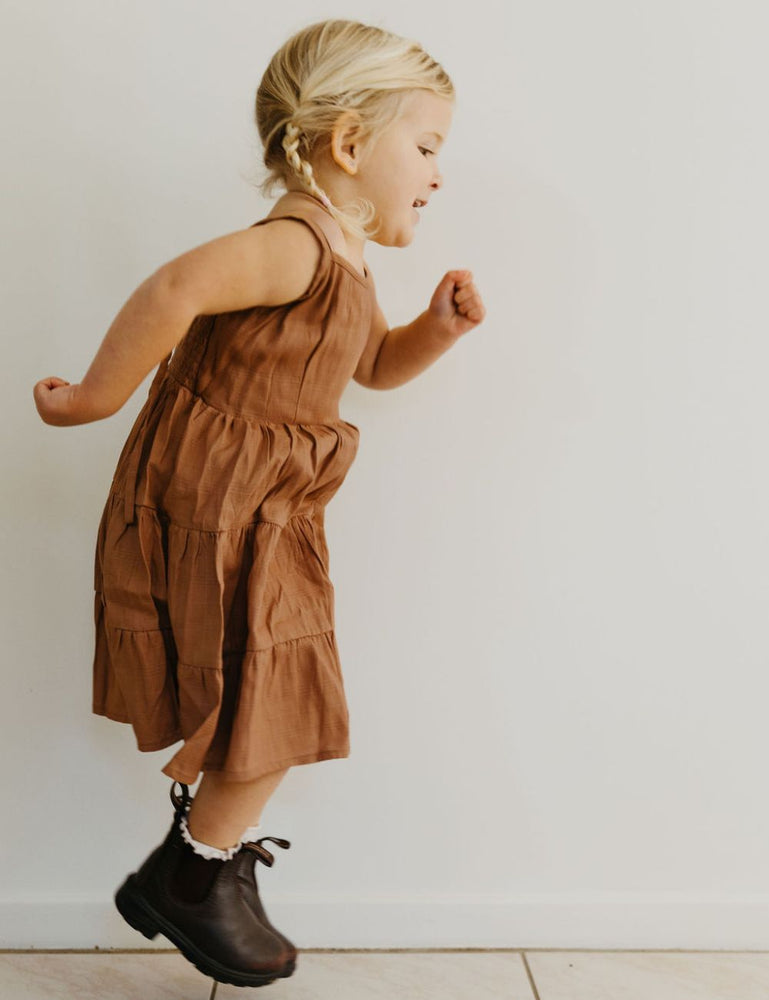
point(347, 142)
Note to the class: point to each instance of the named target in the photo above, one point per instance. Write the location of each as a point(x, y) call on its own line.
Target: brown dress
point(214, 609)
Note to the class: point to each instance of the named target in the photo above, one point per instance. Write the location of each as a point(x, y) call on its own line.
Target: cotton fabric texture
point(214, 609)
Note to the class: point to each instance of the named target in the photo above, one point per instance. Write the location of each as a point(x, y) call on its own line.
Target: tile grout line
point(529, 973)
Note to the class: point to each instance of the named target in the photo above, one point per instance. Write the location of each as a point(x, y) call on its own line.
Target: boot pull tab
point(180, 803)
point(276, 840)
point(262, 853)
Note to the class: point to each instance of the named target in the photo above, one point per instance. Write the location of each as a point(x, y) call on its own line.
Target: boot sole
point(145, 919)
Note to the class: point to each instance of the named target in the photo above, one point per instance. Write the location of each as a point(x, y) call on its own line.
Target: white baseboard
point(604, 921)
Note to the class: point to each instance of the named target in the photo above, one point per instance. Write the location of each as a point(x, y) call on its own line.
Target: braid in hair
point(301, 167)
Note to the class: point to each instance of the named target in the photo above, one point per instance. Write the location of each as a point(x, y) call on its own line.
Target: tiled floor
point(401, 975)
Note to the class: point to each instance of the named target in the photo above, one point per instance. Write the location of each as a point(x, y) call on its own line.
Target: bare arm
point(392, 357)
point(406, 351)
point(146, 329)
point(264, 265)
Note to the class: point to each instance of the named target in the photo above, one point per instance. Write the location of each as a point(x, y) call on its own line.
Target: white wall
point(550, 558)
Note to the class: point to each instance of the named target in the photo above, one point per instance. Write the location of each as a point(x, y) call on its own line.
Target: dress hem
point(187, 778)
point(161, 744)
point(313, 757)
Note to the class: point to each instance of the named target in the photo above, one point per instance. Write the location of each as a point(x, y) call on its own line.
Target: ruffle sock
point(206, 850)
point(198, 866)
point(216, 853)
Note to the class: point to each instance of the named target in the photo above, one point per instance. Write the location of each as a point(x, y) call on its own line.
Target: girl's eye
point(423, 150)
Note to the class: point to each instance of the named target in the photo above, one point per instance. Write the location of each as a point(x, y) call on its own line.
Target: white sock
point(251, 833)
point(206, 850)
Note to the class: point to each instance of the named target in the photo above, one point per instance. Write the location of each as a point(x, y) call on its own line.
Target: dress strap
point(312, 211)
point(320, 227)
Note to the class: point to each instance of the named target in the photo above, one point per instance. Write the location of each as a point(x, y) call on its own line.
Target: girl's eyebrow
point(437, 136)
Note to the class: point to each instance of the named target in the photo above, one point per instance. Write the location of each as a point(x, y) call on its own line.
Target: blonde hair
point(322, 71)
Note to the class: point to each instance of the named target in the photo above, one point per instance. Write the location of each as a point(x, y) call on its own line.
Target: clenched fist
point(60, 402)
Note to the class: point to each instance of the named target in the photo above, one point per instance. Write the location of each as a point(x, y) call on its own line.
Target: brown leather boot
point(220, 934)
point(244, 864)
point(249, 854)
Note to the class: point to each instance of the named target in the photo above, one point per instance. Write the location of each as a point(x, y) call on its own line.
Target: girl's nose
point(437, 182)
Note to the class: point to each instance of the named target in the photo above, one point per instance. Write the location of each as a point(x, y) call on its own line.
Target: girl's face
point(401, 167)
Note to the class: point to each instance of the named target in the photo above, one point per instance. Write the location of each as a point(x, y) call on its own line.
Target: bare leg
point(222, 809)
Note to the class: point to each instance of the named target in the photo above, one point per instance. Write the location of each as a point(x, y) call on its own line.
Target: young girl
point(214, 609)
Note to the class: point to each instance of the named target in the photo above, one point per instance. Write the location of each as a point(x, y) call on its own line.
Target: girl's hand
point(58, 402)
point(456, 303)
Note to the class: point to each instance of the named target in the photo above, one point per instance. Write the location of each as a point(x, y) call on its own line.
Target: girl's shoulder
point(296, 205)
point(283, 258)
point(262, 265)
point(299, 205)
